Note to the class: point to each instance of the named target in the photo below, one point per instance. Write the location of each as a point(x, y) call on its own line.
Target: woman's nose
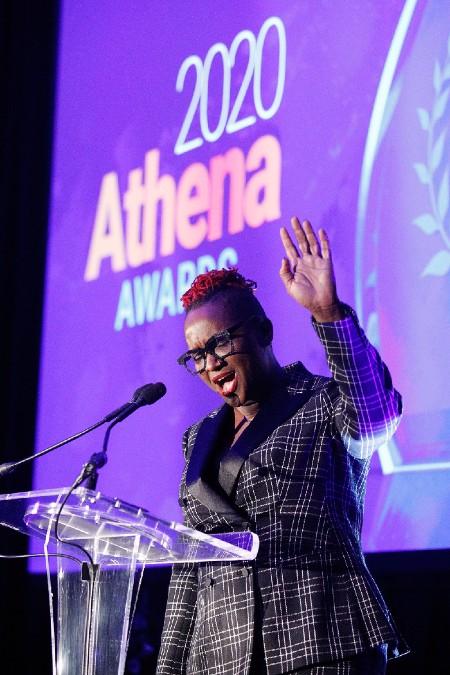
point(213, 362)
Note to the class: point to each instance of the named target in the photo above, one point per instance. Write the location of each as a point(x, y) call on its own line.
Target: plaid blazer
point(297, 478)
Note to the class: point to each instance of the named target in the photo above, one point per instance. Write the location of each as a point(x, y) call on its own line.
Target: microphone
point(145, 395)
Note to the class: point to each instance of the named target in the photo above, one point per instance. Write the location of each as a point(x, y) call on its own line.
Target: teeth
point(223, 379)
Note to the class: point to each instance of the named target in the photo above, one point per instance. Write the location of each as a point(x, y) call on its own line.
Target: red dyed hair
point(208, 284)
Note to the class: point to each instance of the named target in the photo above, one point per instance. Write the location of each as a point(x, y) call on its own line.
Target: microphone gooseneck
point(145, 395)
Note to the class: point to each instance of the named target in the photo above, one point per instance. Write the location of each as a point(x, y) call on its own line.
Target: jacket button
point(244, 572)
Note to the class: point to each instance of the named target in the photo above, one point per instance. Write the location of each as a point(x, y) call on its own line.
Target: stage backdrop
point(186, 134)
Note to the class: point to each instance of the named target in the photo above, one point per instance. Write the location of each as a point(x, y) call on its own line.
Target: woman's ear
point(265, 332)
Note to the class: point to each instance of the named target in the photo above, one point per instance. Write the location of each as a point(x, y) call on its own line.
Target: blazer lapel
point(207, 436)
point(284, 403)
point(273, 413)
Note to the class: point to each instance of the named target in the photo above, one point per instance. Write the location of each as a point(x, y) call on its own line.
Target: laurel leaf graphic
point(429, 172)
point(439, 106)
point(446, 73)
point(437, 77)
point(424, 118)
point(422, 172)
point(427, 223)
point(438, 148)
point(443, 196)
point(439, 265)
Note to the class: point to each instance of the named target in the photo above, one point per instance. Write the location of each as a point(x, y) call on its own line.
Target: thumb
point(285, 273)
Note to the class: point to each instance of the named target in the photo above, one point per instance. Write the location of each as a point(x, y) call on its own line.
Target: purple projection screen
point(186, 134)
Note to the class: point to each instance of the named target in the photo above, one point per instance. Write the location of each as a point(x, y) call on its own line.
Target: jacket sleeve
point(180, 614)
point(366, 407)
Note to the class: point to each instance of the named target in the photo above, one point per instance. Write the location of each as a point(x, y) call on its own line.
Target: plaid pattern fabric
point(371, 662)
point(297, 478)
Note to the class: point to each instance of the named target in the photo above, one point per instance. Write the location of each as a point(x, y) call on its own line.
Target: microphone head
point(149, 393)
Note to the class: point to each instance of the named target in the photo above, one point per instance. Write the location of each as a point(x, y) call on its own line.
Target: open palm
point(307, 270)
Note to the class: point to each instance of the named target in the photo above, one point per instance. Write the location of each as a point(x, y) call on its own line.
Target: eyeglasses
point(219, 345)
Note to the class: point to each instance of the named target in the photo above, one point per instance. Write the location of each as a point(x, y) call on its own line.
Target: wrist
point(329, 314)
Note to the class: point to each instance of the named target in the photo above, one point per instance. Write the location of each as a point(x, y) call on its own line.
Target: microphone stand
point(117, 415)
point(89, 472)
point(146, 395)
point(9, 467)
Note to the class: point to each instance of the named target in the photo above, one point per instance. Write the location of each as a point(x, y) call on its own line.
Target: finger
point(285, 273)
point(311, 237)
point(324, 244)
point(289, 247)
point(300, 235)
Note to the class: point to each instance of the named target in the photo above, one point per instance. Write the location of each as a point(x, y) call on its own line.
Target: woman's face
point(238, 378)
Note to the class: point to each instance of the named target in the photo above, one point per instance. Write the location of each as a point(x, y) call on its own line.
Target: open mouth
point(228, 383)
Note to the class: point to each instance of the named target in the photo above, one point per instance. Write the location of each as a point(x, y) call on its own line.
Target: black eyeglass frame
point(211, 343)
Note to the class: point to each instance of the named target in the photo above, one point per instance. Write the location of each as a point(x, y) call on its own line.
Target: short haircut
point(229, 283)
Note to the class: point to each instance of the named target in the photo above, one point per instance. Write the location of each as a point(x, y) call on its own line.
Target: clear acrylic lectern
point(102, 546)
